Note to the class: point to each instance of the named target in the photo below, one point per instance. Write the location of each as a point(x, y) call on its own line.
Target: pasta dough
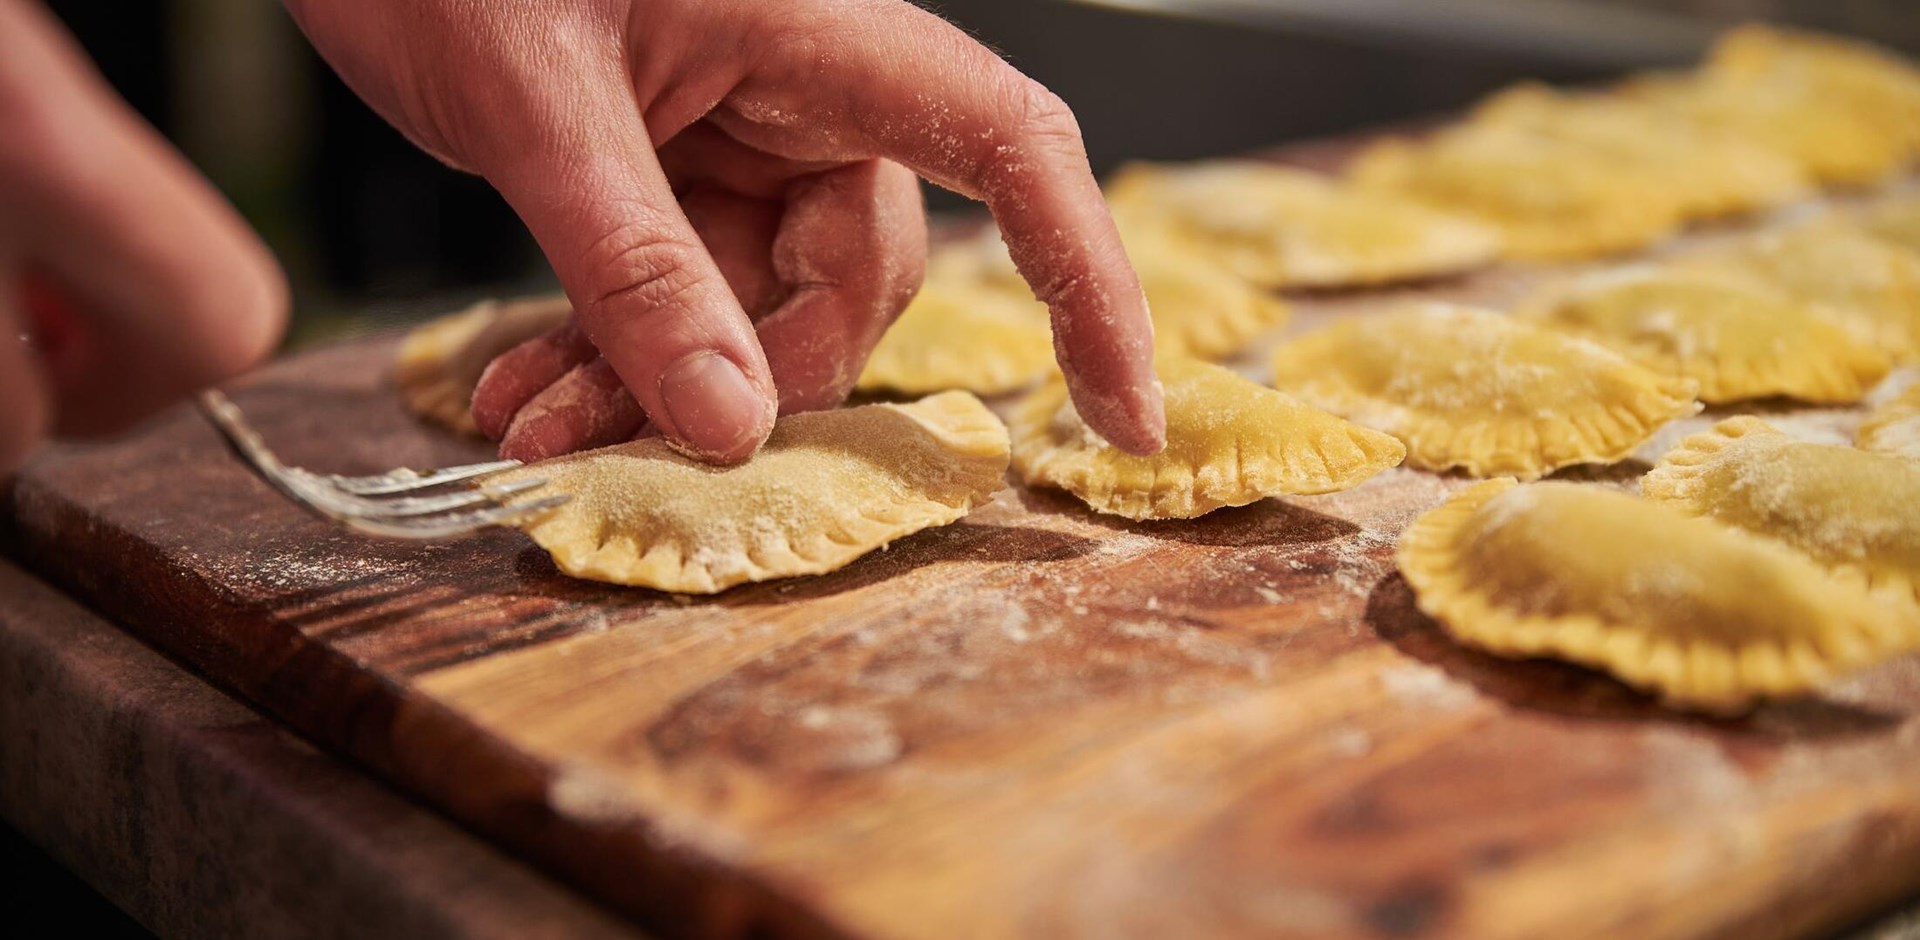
point(955, 336)
point(1550, 199)
point(1854, 75)
point(440, 362)
point(1894, 220)
point(1833, 145)
point(1475, 390)
point(1229, 442)
point(1283, 227)
point(1864, 285)
point(1199, 307)
point(1703, 615)
point(1734, 337)
point(1894, 428)
point(1709, 173)
point(827, 488)
point(1855, 512)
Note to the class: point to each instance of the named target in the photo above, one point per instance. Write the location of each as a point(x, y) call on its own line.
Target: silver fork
point(383, 504)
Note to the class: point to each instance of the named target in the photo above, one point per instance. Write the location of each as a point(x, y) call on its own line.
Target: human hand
point(125, 280)
point(722, 188)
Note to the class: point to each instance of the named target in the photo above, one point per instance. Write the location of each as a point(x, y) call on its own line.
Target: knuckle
point(1044, 119)
point(636, 270)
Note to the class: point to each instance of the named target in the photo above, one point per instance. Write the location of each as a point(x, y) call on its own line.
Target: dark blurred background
point(369, 227)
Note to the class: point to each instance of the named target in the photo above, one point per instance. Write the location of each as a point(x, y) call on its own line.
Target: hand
point(722, 187)
point(125, 280)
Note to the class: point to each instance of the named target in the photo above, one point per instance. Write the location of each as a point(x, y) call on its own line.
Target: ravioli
point(1864, 285)
point(1199, 307)
point(1702, 615)
point(827, 488)
point(1894, 220)
point(1857, 513)
point(1471, 389)
point(1858, 76)
point(1550, 199)
point(1708, 172)
point(955, 336)
point(1833, 145)
point(439, 362)
point(1736, 339)
point(1894, 427)
point(1282, 227)
point(1230, 442)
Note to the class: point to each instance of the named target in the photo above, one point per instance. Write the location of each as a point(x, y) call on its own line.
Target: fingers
point(904, 84)
point(739, 232)
point(852, 247)
point(588, 407)
point(648, 294)
point(839, 255)
point(169, 289)
point(522, 372)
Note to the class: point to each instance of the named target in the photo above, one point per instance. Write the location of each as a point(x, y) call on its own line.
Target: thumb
point(648, 294)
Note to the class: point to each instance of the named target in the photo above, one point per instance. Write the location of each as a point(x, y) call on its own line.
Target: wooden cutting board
point(1036, 722)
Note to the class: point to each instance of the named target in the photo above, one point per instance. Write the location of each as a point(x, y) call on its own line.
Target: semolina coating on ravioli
point(827, 488)
point(1475, 390)
point(1230, 442)
point(1288, 228)
point(1732, 335)
point(1855, 512)
point(1866, 286)
point(1700, 614)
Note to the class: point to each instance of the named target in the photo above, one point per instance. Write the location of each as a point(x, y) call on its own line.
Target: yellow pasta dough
point(1230, 442)
point(1199, 307)
point(1847, 73)
point(1709, 173)
point(1284, 227)
point(440, 362)
point(1472, 389)
point(1864, 285)
point(1894, 427)
point(1894, 220)
point(1855, 512)
point(1832, 144)
point(1736, 338)
point(955, 336)
point(1550, 199)
point(827, 488)
point(1703, 615)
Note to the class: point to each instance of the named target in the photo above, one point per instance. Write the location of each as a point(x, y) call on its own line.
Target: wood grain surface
point(202, 818)
point(1037, 722)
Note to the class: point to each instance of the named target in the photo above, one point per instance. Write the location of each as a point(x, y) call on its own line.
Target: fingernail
point(714, 408)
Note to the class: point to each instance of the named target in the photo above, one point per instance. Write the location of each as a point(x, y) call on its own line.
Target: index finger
point(904, 84)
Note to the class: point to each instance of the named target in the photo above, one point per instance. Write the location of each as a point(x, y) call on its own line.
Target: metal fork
point(383, 504)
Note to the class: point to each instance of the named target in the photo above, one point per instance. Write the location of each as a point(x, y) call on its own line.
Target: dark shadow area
point(41, 891)
point(1269, 522)
point(1588, 694)
point(1626, 471)
point(960, 542)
